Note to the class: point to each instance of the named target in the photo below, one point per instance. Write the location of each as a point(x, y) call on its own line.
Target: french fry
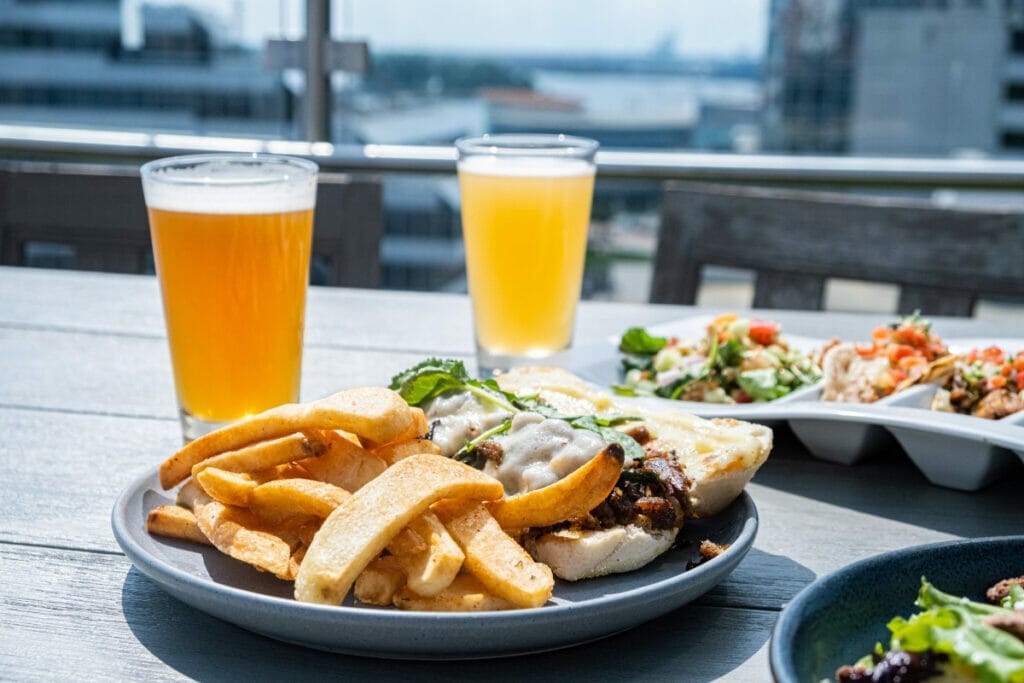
point(418, 428)
point(465, 594)
point(427, 554)
point(576, 494)
point(501, 564)
point(230, 488)
point(266, 454)
point(359, 529)
point(398, 450)
point(235, 532)
point(372, 413)
point(283, 498)
point(378, 583)
point(174, 521)
point(344, 463)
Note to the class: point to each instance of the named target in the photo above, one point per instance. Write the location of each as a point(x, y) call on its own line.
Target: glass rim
point(527, 145)
point(154, 170)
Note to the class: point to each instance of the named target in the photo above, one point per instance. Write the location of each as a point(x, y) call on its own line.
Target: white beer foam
point(226, 189)
point(526, 167)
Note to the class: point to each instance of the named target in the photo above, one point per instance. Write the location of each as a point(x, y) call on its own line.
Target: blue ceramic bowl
point(839, 618)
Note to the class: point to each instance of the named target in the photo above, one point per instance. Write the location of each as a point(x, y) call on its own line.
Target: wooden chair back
point(942, 258)
point(100, 212)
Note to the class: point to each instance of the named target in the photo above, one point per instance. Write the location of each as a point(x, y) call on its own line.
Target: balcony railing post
point(317, 104)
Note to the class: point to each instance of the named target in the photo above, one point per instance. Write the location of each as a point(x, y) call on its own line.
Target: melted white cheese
point(536, 451)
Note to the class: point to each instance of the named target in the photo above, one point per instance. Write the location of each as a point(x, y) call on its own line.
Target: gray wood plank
point(90, 616)
point(350, 318)
point(367, 319)
point(127, 375)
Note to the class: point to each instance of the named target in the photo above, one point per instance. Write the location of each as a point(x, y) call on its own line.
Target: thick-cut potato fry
point(235, 532)
point(344, 463)
point(418, 429)
point(359, 529)
point(501, 564)
point(465, 594)
point(424, 549)
point(427, 554)
point(373, 413)
point(267, 454)
point(283, 498)
point(378, 583)
point(230, 488)
point(174, 521)
point(398, 450)
point(576, 494)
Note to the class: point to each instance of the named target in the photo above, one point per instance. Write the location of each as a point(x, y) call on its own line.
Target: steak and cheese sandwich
point(534, 427)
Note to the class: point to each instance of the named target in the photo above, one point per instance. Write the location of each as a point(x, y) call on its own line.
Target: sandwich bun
point(583, 554)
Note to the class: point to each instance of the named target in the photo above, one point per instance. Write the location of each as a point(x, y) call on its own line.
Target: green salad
point(739, 360)
point(951, 638)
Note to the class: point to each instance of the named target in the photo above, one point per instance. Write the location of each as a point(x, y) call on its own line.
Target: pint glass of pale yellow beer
point(231, 242)
point(525, 213)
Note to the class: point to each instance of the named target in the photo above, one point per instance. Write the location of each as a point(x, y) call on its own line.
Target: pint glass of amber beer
point(525, 213)
point(231, 243)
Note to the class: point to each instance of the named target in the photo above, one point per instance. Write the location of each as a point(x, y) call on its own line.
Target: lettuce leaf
point(955, 626)
point(638, 341)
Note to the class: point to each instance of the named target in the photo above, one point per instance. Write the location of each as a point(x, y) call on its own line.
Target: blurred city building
point(895, 77)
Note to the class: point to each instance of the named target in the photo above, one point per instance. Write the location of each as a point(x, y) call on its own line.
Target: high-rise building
point(895, 77)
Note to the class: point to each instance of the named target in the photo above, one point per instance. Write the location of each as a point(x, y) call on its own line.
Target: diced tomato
point(880, 333)
point(912, 336)
point(762, 331)
point(742, 397)
point(866, 351)
point(1006, 370)
point(993, 354)
point(897, 352)
point(1018, 363)
point(996, 382)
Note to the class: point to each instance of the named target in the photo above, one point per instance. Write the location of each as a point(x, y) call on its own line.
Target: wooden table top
point(87, 406)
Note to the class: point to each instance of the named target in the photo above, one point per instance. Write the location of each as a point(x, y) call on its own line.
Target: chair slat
point(944, 258)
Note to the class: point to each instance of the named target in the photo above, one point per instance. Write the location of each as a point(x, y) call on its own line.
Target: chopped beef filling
point(650, 493)
point(709, 550)
point(491, 451)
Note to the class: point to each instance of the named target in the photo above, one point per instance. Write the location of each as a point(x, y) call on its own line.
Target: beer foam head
point(236, 184)
point(526, 166)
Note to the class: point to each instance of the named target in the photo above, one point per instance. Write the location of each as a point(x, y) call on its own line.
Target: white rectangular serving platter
point(952, 450)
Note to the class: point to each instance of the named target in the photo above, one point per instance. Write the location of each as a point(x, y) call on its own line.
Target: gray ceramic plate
point(839, 618)
point(579, 612)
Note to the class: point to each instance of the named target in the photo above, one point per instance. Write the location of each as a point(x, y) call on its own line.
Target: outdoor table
point(87, 406)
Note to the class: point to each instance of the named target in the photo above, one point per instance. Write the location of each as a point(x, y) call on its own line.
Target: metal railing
point(101, 146)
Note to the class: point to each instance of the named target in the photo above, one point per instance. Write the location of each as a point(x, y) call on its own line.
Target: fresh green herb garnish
point(468, 453)
point(434, 376)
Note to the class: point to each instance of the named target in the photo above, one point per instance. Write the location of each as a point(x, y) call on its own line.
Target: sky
point(698, 28)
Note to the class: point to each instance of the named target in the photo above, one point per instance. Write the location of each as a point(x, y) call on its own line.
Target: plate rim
point(786, 624)
point(167, 576)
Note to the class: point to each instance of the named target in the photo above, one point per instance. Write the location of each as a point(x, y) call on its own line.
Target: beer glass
point(231, 241)
point(525, 213)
